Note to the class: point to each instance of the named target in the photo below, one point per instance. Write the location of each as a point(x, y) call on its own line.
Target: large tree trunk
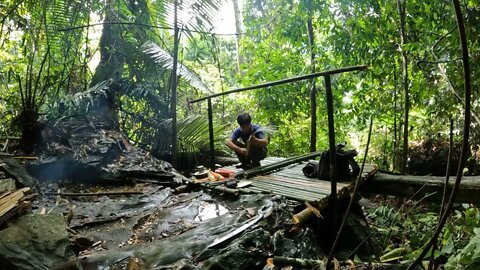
point(401, 13)
point(113, 52)
point(238, 36)
point(111, 61)
point(110, 66)
point(174, 87)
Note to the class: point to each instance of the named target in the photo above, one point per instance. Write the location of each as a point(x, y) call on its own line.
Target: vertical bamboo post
point(313, 119)
point(332, 150)
point(210, 134)
point(313, 90)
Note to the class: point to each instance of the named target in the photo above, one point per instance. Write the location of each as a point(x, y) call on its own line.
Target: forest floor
point(163, 229)
point(148, 224)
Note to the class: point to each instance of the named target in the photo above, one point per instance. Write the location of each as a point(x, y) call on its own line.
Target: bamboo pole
point(288, 194)
point(332, 149)
point(313, 90)
point(284, 81)
point(283, 188)
point(210, 135)
point(275, 166)
point(290, 186)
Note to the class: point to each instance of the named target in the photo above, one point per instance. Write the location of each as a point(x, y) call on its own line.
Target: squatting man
point(253, 146)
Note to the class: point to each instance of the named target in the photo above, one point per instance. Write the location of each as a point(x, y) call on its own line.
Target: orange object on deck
point(213, 176)
point(225, 172)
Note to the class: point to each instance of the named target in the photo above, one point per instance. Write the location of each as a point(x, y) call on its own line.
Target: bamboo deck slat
point(291, 183)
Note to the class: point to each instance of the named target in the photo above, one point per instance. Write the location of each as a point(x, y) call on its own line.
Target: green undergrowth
point(404, 228)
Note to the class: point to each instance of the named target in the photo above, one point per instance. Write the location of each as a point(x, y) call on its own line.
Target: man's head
point(244, 120)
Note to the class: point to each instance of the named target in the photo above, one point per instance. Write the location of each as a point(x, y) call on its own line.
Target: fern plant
point(193, 138)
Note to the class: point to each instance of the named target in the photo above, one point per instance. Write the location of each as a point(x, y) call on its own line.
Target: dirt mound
point(429, 157)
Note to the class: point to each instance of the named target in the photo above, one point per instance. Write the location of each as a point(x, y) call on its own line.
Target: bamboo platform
point(291, 183)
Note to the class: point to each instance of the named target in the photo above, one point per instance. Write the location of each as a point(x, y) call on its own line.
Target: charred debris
point(88, 199)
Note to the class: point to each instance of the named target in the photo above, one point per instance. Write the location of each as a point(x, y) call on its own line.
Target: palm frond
point(268, 130)
point(195, 15)
point(198, 15)
point(147, 92)
point(163, 58)
point(193, 134)
point(83, 101)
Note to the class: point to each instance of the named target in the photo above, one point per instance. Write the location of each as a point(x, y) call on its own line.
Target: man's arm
point(230, 144)
point(258, 142)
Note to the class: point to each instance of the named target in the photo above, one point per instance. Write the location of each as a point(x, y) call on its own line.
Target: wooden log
point(296, 263)
point(182, 189)
point(302, 217)
point(5, 194)
point(108, 193)
point(16, 209)
point(17, 195)
point(314, 210)
point(11, 201)
point(5, 155)
point(230, 191)
point(420, 186)
point(26, 158)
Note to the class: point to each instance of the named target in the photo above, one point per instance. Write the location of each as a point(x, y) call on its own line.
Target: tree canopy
point(57, 55)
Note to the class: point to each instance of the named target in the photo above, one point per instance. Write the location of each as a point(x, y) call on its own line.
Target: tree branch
point(436, 62)
point(466, 131)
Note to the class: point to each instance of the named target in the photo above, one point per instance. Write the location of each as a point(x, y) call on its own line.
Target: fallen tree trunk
point(417, 187)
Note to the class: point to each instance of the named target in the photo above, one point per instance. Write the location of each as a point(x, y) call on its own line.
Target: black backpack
point(346, 169)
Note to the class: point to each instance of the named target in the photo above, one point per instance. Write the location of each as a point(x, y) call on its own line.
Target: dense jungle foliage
point(50, 52)
point(113, 59)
